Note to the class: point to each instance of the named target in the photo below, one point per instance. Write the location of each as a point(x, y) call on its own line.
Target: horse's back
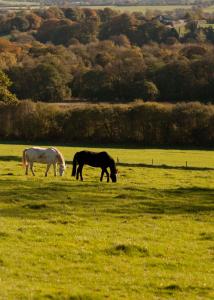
point(94, 159)
point(93, 153)
point(42, 155)
point(88, 154)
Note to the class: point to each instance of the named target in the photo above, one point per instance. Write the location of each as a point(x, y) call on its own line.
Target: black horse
point(94, 159)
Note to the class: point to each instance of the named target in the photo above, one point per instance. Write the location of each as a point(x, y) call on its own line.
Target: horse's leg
point(47, 169)
point(102, 173)
point(78, 171)
point(81, 168)
point(54, 166)
point(26, 169)
point(107, 175)
point(31, 168)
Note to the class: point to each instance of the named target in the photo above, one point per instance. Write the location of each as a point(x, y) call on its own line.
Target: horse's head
point(113, 176)
point(62, 168)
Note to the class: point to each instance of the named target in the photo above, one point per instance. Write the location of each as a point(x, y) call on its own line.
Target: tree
point(73, 13)
point(43, 82)
point(5, 95)
point(121, 40)
point(89, 27)
point(122, 24)
point(175, 81)
point(154, 31)
point(192, 51)
point(20, 23)
point(150, 90)
point(34, 20)
point(51, 12)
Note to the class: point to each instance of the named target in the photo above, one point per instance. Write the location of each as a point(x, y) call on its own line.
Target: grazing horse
point(100, 160)
point(49, 156)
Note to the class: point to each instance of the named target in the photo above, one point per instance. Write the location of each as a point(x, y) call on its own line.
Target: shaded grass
point(133, 201)
point(10, 158)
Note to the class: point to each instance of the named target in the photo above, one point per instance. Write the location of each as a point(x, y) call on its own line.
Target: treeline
point(66, 26)
point(145, 124)
point(112, 71)
point(123, 2)
point(103, 55)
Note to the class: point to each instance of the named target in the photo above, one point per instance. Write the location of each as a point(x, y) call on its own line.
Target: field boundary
point(136, 165)
point(163, 166)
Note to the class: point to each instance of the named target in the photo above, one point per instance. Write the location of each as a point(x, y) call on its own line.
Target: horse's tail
point(74, 165)
point(24, 158)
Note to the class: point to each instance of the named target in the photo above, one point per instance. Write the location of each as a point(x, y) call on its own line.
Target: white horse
point(49, 156)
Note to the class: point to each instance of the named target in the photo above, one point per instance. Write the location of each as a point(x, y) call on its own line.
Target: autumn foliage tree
point(5, 95)
point(105, 55)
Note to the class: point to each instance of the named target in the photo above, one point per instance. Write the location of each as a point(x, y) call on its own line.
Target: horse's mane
point(59, 156)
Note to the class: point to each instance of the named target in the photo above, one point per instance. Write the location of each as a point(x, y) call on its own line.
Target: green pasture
point(143, 8)
point(209, 9)
point(18, 3)
point(149, 236)
point(206, 25)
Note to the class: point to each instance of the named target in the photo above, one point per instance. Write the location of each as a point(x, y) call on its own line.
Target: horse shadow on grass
point(28, 199)
point(10, 158)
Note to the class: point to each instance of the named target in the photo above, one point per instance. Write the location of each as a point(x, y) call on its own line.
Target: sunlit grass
point(149, 236)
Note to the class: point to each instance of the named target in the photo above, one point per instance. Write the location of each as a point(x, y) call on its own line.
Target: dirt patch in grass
point(3, 235)
point(170, 289)
point(84, 297)
point(1, 262)
point(207, 236)
point(173, 287)
point(130, 250)
point(123, 196)
point(36, 206)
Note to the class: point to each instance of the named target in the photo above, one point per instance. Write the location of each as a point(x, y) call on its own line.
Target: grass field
point(209, 9)
point(18, 3)
point(144, 8)
point(207, 26)
point(149, 236)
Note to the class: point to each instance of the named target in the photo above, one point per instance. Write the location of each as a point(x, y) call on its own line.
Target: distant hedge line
point(145, 124)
